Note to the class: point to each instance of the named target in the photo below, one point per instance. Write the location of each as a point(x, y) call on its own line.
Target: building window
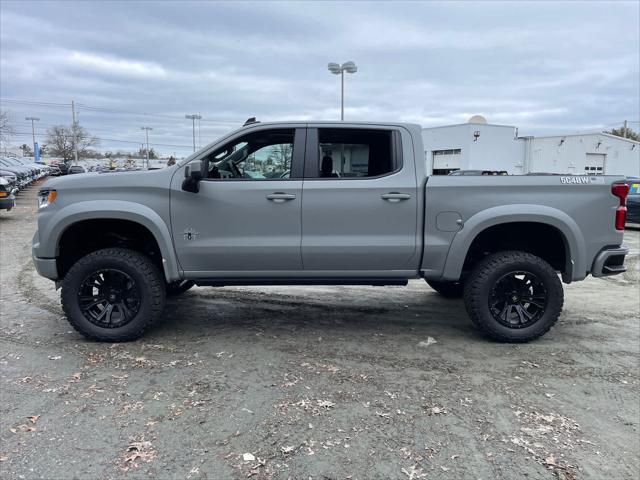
point(453, 151)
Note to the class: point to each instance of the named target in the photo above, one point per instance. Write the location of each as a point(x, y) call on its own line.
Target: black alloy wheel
point(109, 298)
point(113, 295)
point(513, 296)
point(518, 299)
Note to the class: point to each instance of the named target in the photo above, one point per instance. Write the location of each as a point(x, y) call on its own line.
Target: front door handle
point(280, 197)
point(395, 196)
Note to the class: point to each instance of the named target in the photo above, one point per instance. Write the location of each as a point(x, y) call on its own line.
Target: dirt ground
point(321, 383)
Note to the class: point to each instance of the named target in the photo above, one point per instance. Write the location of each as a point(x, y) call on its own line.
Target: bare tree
point(629, 133)
point(281, 155)
point(61, 141)
point(26, 150)
point(6, 128)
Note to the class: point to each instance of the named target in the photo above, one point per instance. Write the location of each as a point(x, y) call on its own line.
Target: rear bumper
point(610, 262)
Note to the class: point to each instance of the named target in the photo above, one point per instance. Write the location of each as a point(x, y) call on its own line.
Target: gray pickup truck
point(318, 203)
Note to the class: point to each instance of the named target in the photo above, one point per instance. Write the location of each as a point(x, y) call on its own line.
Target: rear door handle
point(280, 197)
point(395, 196)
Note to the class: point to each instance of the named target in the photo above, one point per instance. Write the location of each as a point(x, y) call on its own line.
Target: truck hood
point(91, 180)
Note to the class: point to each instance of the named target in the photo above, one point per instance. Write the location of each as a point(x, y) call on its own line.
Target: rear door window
point(345, 153)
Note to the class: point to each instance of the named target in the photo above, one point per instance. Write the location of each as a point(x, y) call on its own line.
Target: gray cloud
point(543, 66)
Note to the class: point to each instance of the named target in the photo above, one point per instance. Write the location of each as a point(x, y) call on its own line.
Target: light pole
point(146, 131)
point(33, 130)
point(338, 69)
point(193, 119)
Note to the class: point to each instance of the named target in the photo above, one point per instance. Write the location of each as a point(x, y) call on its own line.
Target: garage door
point(594, 164)
point(447, 159)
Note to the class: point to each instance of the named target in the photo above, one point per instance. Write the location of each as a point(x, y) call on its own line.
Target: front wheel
point(113, 295)
point(513, 296)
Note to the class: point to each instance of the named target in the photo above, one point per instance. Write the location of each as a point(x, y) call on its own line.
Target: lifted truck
point(324, 204)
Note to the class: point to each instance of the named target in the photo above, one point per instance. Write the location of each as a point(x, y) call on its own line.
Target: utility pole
point(342, 96)
point(193, 119)
point(74, 130)
point(33, 130)
point(624, 130)
point(146, 131)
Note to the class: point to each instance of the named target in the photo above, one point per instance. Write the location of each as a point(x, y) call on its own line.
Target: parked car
point(7, 195)
point(23, 174)
point(63, 167)
point(119, 244)
point(633, 203)
point(10, 177)
point(76, 169)
point(54, 171)
point(39, 170)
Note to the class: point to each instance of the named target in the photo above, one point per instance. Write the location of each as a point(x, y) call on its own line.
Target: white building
point(478, 145)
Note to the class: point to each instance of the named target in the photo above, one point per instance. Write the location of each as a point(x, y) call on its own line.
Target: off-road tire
point(178, 287)
point(482, 279)
point(145, 274)
point(447, 289)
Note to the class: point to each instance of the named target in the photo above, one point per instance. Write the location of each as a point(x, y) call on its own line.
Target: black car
point(633, 202)
point(63, 167)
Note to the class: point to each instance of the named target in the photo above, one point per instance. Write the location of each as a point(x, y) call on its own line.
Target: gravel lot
point(335, 383)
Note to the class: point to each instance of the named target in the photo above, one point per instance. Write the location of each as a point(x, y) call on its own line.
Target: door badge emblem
point(190, 234)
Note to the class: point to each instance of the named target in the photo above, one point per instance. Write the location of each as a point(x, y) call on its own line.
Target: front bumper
point(7, 203)
point(46, 267)
point(610, 261)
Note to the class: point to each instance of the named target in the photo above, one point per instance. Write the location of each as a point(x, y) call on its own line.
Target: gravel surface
point(321, 383)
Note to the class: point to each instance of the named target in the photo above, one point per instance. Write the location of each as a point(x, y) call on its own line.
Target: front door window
point(257, 156)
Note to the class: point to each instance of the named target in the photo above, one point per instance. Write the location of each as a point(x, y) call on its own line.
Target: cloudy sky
point(546, 67)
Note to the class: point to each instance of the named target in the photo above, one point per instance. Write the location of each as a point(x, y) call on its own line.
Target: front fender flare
point(575, 267)
point(118, 210)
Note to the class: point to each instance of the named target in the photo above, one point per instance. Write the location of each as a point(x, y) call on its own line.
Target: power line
point(34, 102)
point(43, 131)
point(115, 140)
point(158, 115)
point(94, 108)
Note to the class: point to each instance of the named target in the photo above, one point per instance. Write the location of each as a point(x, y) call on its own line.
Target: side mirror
point(193, 173)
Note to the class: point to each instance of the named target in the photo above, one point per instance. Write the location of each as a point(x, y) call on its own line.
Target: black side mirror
point(192, 176)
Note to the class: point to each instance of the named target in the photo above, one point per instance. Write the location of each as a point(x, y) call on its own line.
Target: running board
point(223, 282)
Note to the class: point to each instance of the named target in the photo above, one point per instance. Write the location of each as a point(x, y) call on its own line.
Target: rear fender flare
point(575, 249)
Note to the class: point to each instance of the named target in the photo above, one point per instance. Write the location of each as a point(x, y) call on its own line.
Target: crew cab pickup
point(319, 203)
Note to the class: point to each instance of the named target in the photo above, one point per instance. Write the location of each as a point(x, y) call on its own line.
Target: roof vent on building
point(478, 119)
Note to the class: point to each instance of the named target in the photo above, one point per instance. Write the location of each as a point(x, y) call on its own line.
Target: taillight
point(621, 190)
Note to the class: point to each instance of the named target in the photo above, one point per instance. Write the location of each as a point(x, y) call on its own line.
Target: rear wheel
point(113, 295)
point(447, 289)
point(179, 287)
point(513, 296)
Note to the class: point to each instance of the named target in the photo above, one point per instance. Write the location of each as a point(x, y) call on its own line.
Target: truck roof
point(329, 122)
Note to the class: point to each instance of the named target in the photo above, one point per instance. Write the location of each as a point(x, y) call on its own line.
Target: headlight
point(46, 197)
